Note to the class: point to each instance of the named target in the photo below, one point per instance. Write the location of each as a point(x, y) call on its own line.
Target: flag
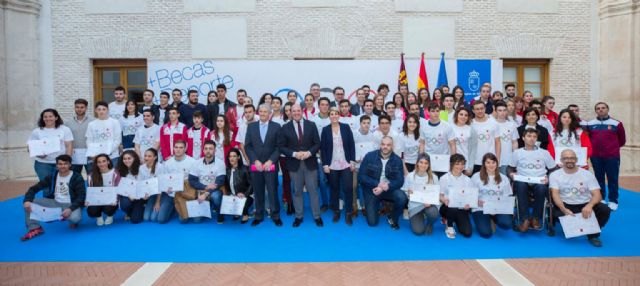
point(402, 77)
point(422, 75)
point(442, 74)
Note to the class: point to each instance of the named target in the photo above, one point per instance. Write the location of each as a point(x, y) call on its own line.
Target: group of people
point(368, 155)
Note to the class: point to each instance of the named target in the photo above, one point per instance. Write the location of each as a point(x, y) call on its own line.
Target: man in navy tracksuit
point(607, 137)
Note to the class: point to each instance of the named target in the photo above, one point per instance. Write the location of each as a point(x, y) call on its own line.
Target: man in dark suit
point(299, 142)
point(358, 107)
point(262, 149)
point(222, 106)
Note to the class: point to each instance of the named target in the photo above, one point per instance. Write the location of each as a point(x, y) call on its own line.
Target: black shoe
point(297, 222)
point(220, 219)
point(348, 220)
point(236, 217)
point(336, 217)
point(595, 241)
point(395, 226)
point(324, 208)
point(256, 222)
point(278, 222)
point(319, 222)
point(290, 209)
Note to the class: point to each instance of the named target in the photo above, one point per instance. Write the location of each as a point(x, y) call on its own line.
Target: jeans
point(430, 215)
point(164, 213)
point(216, 200)
point(522, 191)
point(372, 204)
point(127, 142)
point(74, 218)
point(323, 186)
point(43, 169)
point(609, 167)
point(483, 222)
point(459, 217)
point(341, 180)
point(78, 168)
point(133, 208)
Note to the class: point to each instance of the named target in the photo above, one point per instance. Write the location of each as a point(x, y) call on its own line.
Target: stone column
point(620, 72)
point(19, 89)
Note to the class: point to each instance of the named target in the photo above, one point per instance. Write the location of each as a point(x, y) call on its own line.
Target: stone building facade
point(47, 47)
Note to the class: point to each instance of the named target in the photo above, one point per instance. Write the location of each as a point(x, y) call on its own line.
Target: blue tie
point(263, 131)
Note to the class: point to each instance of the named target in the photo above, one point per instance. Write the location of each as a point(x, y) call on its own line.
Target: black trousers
point(97, 211)
point(600, 210)
point(458, 216)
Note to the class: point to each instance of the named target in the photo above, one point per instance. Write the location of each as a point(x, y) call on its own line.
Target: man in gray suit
point(262, 149)
point(299, 142)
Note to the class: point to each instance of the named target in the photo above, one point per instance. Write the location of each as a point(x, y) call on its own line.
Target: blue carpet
point(235, 243)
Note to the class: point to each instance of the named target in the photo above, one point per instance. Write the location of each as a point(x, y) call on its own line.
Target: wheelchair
point(547, 222)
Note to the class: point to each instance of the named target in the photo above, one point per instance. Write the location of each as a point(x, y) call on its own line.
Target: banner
point(472, 74)
point(278, 77)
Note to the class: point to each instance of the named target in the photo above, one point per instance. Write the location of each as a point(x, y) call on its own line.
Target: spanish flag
point(402, 77)
point(422, 75)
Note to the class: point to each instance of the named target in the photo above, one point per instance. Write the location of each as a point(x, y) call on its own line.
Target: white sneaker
point(450, 232)
point(100, 221)
point(613, 206)
point(108, 220)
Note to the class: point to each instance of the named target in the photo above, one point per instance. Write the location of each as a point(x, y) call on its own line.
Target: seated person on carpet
point(576, 191)
point(381, 178)
point(179, 163)
point(62, 189)
point(129, 167)
point(491, 185)
point(103, 175)
point(531, 161)
point(207, 176)
point(455, 178)
point(238, 181)
point(421, 216)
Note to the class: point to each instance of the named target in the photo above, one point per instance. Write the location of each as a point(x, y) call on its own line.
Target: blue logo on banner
point(472, 74)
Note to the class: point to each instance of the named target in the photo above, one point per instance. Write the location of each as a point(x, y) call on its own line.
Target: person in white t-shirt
point(363, 138)
point(249, 117)
point(116, 108)
point(531, 163)
point(384, 129)
point(491, 186)
point(130, 122)
point(455, 178)
point(207, 176)
point(508, 133)
point(488, 134)
point(103, 134)
point(438, 135)
point(63, 189)
point(103, 175)
point(50, 127)
point(368, 110)
point(397, 121)
point(420, 213)
point(147, 136)
point(466, 138)
point(409, 143)
point(346, 117)
point(179, 163)
point(576, 191)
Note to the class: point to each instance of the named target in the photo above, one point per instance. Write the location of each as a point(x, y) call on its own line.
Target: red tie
point(299, 133)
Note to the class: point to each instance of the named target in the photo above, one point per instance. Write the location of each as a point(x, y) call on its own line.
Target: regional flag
point(422, 75)
point(402, 77)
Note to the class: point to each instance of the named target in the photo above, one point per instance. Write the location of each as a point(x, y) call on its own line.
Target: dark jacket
point(543, 136)
point(212, 112)
point(371, 169)
point(288, 143)
point(156, 112)
point(186, 113)
point(262, 151)
point(241, 181)
point(355, 109)
point(326, 144)
point(77, 189)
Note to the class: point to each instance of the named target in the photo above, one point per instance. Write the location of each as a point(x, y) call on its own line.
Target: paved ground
point(589, 271)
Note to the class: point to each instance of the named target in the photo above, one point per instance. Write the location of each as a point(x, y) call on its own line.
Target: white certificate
point(147, 187)
point(576, 225)
point(426, 194)
point(45, 214)
point(79, 156)
point(175, 181)
point(232, 205)
point(94, 149)
point(459, 197)
point(127, 187)
point(525, 179)
point(499, 205)
point(362, 149)
point(196, 209)
point(439, 163)
point(44, 146)
point(581, 152)
point(101, 196)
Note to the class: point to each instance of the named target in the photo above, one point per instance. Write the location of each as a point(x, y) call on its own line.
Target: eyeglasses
point(569, 158)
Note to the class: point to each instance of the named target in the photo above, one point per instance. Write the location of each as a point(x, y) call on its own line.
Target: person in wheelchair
point(531, 165)
point(576, 191)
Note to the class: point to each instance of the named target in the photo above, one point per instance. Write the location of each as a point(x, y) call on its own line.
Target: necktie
point(299, 133)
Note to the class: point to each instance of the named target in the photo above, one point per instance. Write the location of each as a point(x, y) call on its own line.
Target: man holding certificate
point(207, 176)
point(576, 192)
point(531, 164)
point(64, 189)
point(381, 177)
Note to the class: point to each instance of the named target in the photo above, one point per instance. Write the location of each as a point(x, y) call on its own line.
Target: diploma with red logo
point(459, 197)
point(499, 205)
point(232, 205)
point(576, 225)
point(45, 214)
point(175, 181)
point(440, 163)
point(44, 146)
point(101, 196)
